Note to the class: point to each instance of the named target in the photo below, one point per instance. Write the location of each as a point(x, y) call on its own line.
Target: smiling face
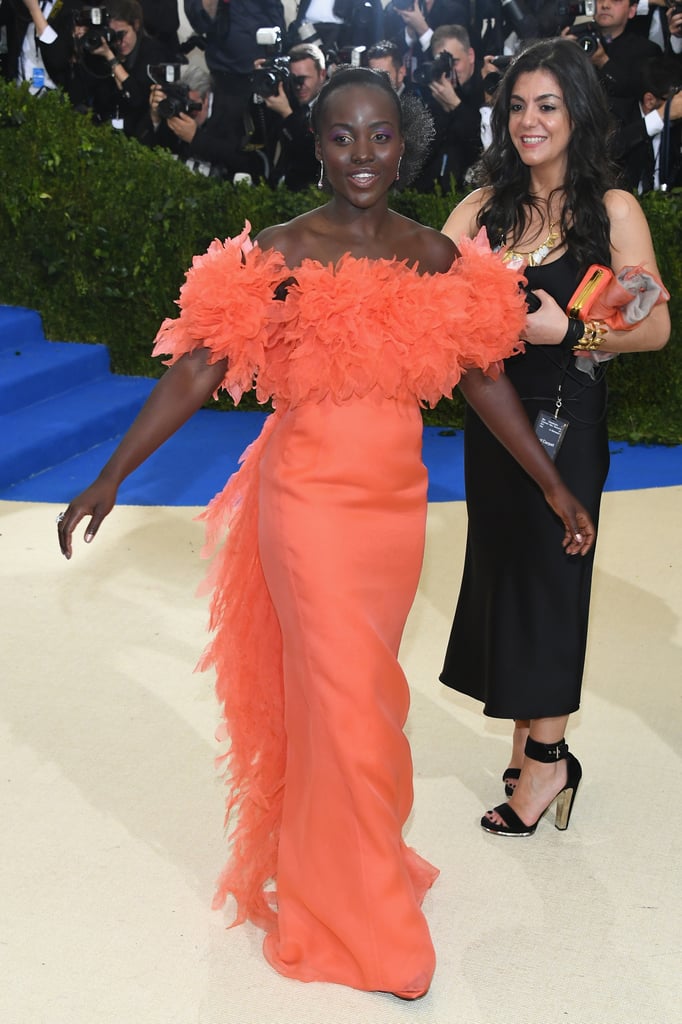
point(360, 143)
point(539, 123)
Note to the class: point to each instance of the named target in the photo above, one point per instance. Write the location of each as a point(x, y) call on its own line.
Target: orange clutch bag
point(621, 301)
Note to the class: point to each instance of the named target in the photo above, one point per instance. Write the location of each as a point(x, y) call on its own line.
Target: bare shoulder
point(444, 250)
point(462, 222)
point(433, 250)
point(631, 243)
point(620, 206)
point(292, 238)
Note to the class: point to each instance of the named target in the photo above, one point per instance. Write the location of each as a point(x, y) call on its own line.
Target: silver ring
point(60, 517)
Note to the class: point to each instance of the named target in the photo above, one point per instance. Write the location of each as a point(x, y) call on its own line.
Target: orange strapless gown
point(311, 590)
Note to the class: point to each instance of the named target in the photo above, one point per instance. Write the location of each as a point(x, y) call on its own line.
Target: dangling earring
point(397, 173)
point(320, 183)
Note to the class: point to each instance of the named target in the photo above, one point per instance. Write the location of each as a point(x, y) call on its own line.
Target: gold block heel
point(545, 753)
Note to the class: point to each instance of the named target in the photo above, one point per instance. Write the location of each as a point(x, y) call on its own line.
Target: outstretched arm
point(499, 406)
point(182, 390)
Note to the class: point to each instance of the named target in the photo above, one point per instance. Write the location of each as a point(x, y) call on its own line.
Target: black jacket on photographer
point(290, 146)
point(443, 12)
point(14, 23)
point(162, 21)
point(92, 87)
point(231, 46)
point(88, 80)
point(362, 24)
point(214, 150)
point(648, 140)
point(621, 74)
point(281, 119)
point(457, 145)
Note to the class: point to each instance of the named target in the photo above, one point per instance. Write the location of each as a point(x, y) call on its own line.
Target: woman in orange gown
point(349, 317)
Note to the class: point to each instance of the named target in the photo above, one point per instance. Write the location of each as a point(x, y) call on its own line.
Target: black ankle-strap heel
point(545, 753)
point(510, 775)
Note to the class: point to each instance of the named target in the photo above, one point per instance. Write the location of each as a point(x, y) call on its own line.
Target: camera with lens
point(588, 37)
point(502, 62)
point(432, 71)
point(275, 70)
point(96, 21)
point(177, 100)
point(266, 79)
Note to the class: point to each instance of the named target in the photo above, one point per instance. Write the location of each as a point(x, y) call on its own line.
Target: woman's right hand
point(95, 501)
point(547, 325)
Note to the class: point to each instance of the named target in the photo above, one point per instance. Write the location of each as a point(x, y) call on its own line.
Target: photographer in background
point(615, 49)
point(411, 24)
point(289, 141)
point(229, 29)
point(33, 34)
point(385, 56)
point(99, 56)
point(162, 21)
point(649, 137)
point(674, 23)
point(110, 72)
point(452, 89)
point(188, 119)
point(337, 24)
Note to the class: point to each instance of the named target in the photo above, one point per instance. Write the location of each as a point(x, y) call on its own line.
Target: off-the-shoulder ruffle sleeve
point(471, 317)
point(345, 328)
point(365, 324)
point(227, 305)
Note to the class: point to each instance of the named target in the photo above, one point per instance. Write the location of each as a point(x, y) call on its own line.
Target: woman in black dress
point(520, 629)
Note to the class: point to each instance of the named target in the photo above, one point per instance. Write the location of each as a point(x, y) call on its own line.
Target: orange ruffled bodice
point(345, 329)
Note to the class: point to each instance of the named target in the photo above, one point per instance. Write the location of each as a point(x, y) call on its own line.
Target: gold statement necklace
point(536, 256)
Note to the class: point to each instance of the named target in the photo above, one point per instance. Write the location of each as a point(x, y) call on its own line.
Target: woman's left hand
point(547, 325)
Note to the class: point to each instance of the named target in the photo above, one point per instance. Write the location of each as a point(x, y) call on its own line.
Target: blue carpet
point(194, 464)
point(62, 414)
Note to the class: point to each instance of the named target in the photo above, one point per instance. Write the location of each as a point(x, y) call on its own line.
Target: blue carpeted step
point(34, 371)
point(47, 433)
point(19, 326)
point(187, 470)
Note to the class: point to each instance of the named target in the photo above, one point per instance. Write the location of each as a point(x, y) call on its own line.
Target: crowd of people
point(240, 87)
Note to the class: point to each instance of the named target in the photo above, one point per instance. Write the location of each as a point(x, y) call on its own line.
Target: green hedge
point(97, 232)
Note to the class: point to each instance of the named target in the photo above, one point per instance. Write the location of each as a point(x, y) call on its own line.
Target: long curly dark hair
point(414, 121)
point(590, 172)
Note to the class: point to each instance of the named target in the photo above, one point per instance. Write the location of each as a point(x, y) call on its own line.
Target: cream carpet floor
point(111, 814)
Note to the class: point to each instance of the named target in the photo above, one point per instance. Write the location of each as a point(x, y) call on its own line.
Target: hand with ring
point(96, 501)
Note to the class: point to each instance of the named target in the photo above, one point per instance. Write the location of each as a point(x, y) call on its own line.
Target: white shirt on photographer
point(31, 67)
point(322, 11)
